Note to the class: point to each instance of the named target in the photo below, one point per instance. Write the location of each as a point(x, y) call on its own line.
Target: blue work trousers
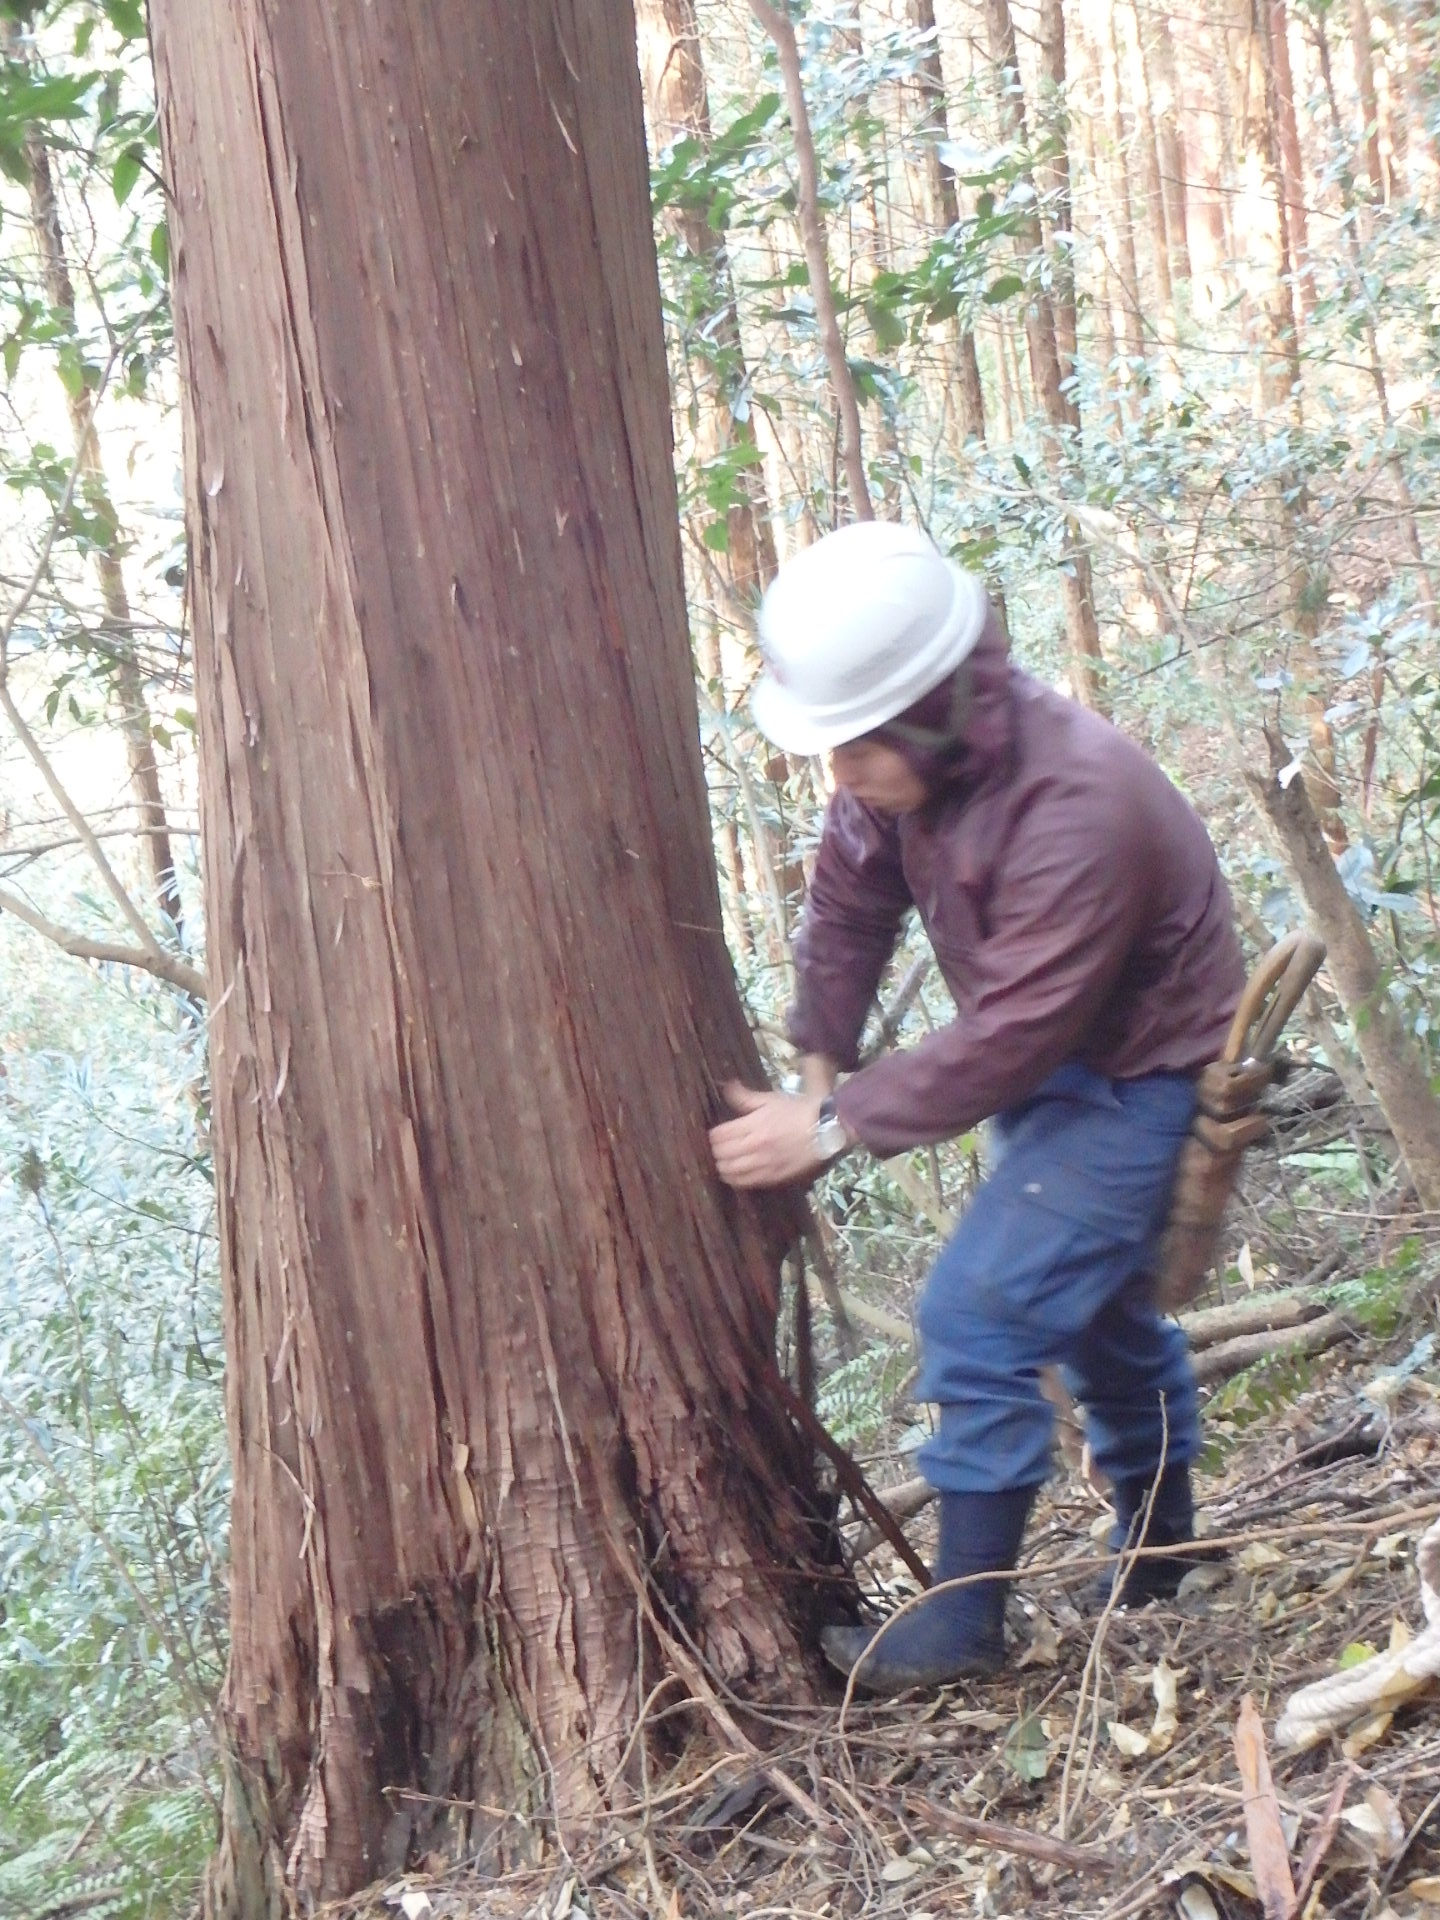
point(1050, 1266)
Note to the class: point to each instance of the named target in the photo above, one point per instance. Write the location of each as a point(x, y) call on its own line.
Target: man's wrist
point(831, 1136)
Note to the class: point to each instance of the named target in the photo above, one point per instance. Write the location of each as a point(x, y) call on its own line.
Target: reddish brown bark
point(1264, 233)
point(500, 1350)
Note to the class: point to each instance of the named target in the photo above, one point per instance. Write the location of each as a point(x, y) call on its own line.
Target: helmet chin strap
point(937, 739)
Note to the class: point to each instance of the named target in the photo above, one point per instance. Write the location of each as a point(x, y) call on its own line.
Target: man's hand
point(772, 1144)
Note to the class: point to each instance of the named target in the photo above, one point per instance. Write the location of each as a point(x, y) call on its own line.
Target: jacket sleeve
point(857, 900)
point(1065, 909)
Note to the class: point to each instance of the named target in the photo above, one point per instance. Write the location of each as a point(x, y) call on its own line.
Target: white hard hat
point(855, 629)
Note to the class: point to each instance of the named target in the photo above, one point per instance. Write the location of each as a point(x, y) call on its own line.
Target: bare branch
point(164, 966)
point(83, 830)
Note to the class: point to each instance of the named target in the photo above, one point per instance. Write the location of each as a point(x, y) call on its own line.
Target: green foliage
point(855, 1400)
point(113, 1478)
point(1377, 1299)
point(1261, 1392)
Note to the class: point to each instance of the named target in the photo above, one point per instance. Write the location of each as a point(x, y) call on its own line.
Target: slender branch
point(119, 892)
point(47, 546)
point(164, 966)
point(817, 259)
point(85, 833)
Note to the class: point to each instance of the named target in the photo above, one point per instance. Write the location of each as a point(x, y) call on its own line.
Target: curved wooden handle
point(1272, 994)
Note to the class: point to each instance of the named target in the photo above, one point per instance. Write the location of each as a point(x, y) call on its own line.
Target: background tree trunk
point(1157, 48)
point(497, 1340)
point(943, 208)
point(133, 709)
point(1082, 628)
point(1292, 165)
point(817, 254)
point(1362, 52)
point(1393, 1062)
point(679, 103)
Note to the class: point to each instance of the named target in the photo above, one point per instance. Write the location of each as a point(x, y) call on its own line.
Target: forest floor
point(1098, 1776)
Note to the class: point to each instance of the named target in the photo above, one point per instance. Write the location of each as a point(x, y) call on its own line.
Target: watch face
point(830, 1138)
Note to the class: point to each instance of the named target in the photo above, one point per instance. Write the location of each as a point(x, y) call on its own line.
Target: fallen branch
point(994, 1833)
point(1233, 1356)
point(1257, 1313)
point(902, 1503)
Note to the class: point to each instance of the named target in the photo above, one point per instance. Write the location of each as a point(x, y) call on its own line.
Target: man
point(1078, 914)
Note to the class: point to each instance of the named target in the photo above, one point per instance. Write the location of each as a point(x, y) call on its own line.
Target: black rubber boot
point(950, 1635)
point(1171, 1523)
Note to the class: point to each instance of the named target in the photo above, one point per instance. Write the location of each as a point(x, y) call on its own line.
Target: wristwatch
point(830, 1136)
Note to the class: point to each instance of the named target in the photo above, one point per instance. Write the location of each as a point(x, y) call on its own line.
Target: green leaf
point(1355, 1655)
point(125, 173)
point(716, 535)
point(160, 247)
point(26, 99)
point(127, 17)
point(741, 134)
point(1027, 1751)
point(71, 370)
point(1005, 288)
point(888, 327)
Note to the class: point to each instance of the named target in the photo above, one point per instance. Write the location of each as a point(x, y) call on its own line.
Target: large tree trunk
point(501, 1384)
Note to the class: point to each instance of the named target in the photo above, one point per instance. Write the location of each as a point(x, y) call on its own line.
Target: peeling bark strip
point(496, 1338)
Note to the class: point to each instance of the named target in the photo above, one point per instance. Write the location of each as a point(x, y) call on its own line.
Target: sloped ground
point(1053, 1790)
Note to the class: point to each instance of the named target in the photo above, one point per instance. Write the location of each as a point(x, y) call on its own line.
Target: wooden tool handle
point(1272, 994)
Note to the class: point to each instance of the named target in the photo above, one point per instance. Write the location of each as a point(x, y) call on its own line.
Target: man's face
point(878, 776)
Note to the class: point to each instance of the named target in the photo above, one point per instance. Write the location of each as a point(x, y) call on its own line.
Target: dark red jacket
point(1071, 895)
